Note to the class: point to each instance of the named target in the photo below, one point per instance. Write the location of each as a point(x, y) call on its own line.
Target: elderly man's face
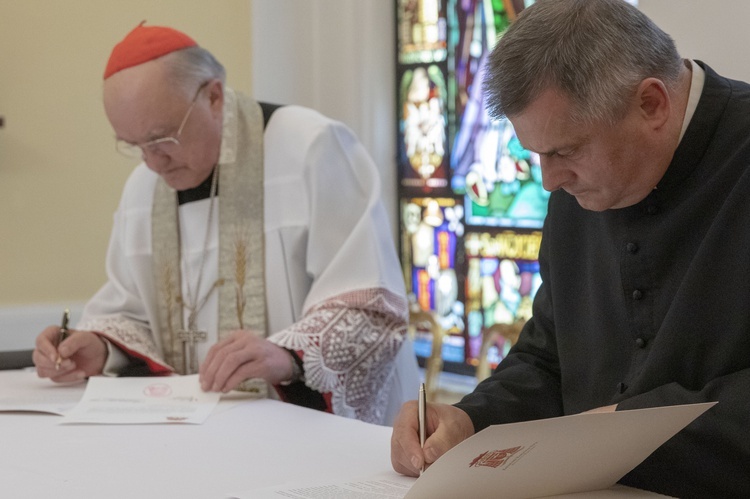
point(142, 106)
point(600, 165)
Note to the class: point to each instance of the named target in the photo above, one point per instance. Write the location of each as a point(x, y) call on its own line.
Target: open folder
point(579, 453)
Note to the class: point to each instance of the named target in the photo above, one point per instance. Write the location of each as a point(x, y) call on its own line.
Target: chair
point(489, 336)
point(16, 359)
point(422, 320)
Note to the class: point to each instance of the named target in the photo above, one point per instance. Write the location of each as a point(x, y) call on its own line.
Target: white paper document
point(383, 486)
point(163, 399)
point(23, 390)
point(547, 457)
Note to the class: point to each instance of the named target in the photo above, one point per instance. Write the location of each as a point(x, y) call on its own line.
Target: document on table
point(23, 390)
point(396, 487)
point(163, 399)
point(579, 456)
point(383, 486)
point(565, 455)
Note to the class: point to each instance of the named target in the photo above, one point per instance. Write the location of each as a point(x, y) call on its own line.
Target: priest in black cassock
point(644, 255)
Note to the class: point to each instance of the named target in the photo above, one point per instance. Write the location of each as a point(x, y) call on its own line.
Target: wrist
point(297, 372)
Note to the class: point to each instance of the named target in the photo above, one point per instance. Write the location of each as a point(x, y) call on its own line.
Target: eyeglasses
point(163, 145)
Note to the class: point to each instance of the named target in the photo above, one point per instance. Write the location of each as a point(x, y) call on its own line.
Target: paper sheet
point(23, 390)
point(570, 454)
point(580, 456)
point(163, 399)
point(383, 486)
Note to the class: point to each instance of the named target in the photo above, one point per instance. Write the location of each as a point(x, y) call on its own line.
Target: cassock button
point(640, 342)
point(632, 248)
point(652, 209)
point(637, 294)
point(621, 387)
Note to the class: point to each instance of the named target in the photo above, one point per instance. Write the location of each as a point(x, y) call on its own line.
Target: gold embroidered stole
point(242, 293)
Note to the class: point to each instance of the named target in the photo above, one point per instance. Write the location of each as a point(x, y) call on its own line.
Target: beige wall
point(714, 32)
point(60, 177)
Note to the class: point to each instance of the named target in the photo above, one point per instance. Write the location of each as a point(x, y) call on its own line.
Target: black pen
point(63, 334)
point(422, 421)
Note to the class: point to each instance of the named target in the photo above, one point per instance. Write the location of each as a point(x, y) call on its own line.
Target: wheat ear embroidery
point(240, 274)
point(167, 288)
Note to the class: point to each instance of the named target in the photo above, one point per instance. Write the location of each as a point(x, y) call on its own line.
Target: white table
point(240, 446)
point(243, 445)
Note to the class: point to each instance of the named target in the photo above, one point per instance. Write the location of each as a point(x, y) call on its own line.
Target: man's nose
point(553, 174)
point(155, 159)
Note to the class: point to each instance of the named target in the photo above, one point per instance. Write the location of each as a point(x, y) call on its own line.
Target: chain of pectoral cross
point(191, 335)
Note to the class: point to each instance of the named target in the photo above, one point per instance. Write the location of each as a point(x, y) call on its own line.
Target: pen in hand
point(422, 412)
point(63, 334)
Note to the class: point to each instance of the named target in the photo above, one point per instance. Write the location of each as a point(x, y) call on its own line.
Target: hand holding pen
point(65, 355)
point(423, 432)
point(63, 335)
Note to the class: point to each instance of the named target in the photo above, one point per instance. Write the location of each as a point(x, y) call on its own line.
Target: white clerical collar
point(696, 89)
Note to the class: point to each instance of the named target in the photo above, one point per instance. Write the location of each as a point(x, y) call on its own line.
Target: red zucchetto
point(143, 44)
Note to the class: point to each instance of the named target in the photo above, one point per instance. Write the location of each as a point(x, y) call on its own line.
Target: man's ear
point(654, 102)
point(215, 89)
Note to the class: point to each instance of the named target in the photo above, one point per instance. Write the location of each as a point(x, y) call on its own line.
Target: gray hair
point(595, 51)
point(189, 68)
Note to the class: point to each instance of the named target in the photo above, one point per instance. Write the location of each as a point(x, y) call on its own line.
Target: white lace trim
point(132, 335)
point(348, 345)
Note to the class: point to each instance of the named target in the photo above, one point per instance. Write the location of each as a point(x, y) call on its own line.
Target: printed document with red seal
point(149, 400)
point(549, 457)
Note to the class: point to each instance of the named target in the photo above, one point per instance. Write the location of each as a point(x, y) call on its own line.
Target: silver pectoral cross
point(189, 338)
